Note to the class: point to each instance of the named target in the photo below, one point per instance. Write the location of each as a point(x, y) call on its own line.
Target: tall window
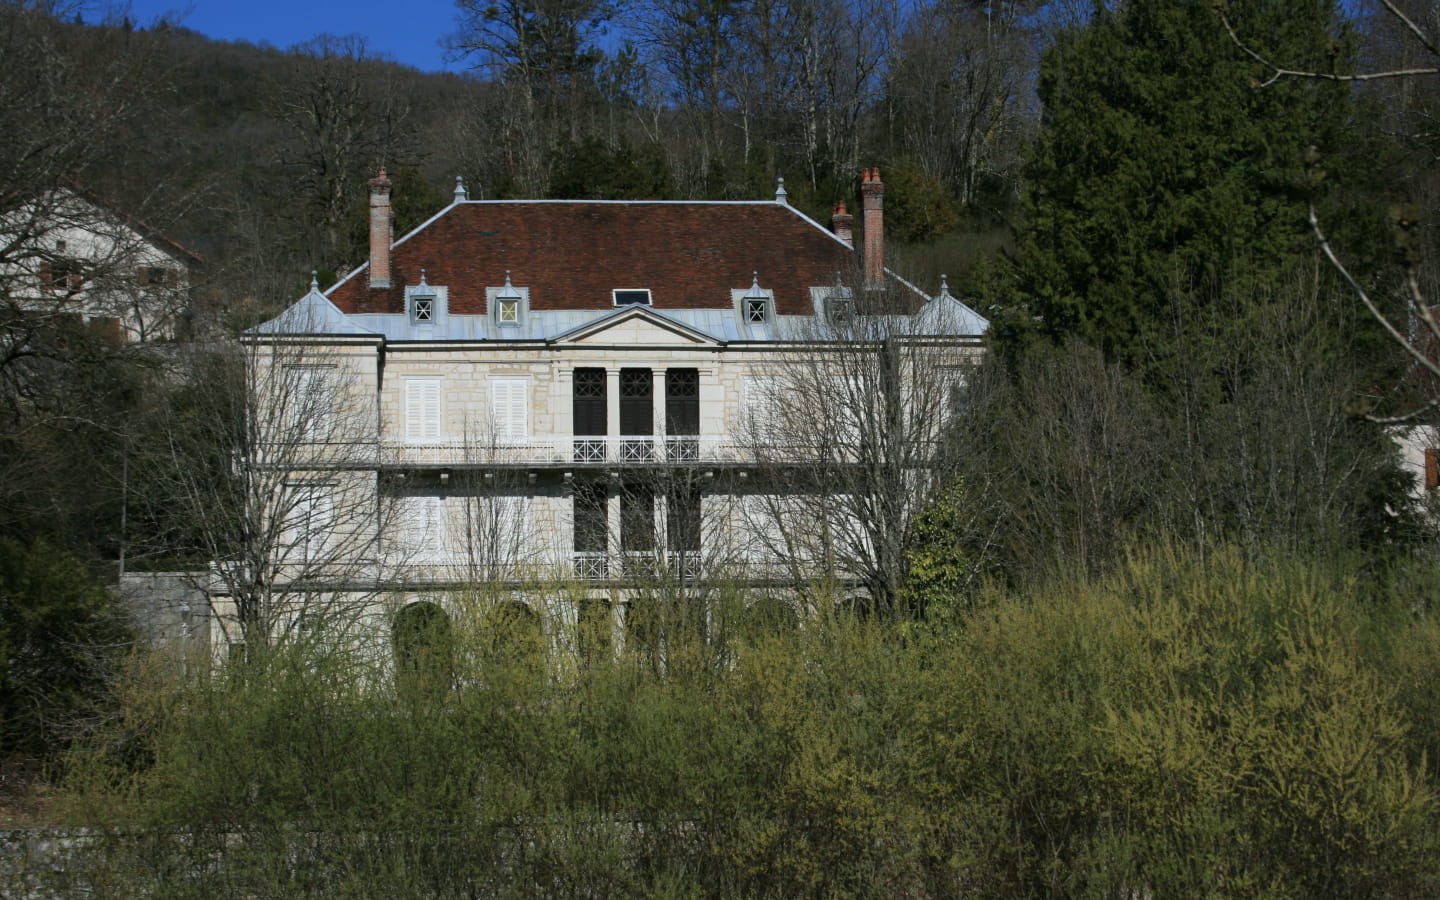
point(637, 414)
point(422, 409)
point(682, 401)
point(637, 518)
point(590, 530)
point(510, 409)
point(682, 412)
point(682, 519)
point(589, 414)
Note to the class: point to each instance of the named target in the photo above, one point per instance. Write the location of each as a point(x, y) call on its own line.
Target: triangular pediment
point(635, 327)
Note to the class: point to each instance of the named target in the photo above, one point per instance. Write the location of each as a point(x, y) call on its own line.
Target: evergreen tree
point(1162, 176)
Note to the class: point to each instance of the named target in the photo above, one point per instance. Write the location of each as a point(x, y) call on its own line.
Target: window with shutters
point(510, 409)
point(422, 409)
point(420, 529)
point(760, 410)
point(62, 274)
point(310, 521)
point(311, 404)
point(157, 276)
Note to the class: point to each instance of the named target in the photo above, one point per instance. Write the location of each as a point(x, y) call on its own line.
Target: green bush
point(61, 637)
point(1178, 728)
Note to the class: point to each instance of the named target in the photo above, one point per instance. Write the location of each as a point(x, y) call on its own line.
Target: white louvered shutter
point(510, 409)
point(760, 409)
point(422, 409)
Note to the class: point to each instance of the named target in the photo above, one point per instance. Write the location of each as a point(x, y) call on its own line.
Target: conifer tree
point(1162, 176)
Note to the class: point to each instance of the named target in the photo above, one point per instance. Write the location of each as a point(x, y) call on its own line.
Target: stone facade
point(593, 430)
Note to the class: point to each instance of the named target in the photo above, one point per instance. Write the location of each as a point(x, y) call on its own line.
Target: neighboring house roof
point(51, 208)
point(573, 254)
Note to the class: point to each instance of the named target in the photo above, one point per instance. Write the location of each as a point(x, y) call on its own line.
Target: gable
point(635, 328)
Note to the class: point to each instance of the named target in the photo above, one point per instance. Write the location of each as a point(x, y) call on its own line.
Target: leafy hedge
point(1181, 728)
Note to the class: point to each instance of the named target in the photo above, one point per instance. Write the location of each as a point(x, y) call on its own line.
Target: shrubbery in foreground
point(1173, 730)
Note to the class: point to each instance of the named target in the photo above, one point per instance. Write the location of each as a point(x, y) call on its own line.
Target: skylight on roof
point(639, 296)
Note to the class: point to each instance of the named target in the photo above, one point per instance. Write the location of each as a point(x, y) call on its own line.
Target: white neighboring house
point(602, 392)
point(67, 258)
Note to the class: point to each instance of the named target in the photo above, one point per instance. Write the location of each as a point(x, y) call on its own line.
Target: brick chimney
point(842, 223)
point(872, 195)
point(381, 230)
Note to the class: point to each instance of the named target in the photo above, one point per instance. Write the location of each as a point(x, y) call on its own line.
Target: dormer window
point(755, 304)
point(422, 303)
point(840, 309)
point(632, 297)
point(507, 304)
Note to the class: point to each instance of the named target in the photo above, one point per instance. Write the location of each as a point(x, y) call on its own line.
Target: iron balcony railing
point(569, 450)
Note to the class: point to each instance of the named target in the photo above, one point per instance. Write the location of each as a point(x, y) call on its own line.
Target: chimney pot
point(842, 223)
point(381, 230)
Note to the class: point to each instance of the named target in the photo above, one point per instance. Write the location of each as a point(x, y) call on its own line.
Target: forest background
point(1172, 626)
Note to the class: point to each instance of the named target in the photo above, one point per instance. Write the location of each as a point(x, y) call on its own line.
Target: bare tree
point(954, 92)
point(850, 435)
point(345, 116)
point(272, 462)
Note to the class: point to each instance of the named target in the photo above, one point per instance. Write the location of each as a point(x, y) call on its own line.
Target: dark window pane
point(637, 519)
point(590, 518)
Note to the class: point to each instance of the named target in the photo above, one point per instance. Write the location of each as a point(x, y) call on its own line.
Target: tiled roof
point(572, 254)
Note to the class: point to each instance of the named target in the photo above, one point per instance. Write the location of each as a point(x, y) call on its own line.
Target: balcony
point(568, 451)
point(550, 452)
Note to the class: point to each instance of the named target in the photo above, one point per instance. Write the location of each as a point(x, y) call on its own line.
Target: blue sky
point(408, 31)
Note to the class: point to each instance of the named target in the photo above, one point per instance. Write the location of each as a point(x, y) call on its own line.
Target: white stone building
point(599, 393)
point(67, 258)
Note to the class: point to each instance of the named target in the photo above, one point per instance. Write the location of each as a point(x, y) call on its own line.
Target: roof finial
point(780, 195)
point(314, 280)
point(422, 278)
point(461, 195)
point(944, 286)
point(507, 278)
point(755, 280)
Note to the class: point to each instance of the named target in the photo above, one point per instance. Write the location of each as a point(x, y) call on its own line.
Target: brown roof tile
point(572, 254)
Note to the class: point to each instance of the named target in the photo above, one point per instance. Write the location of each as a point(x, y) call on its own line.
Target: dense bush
point(1172, 730)
point(61, 638)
